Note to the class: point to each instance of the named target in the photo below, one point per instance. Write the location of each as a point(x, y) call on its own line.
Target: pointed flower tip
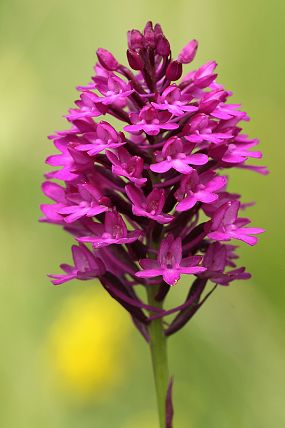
point(163, 46)
point(174, 71)
point(107, 60)
point(135, 60)
point(188, 53)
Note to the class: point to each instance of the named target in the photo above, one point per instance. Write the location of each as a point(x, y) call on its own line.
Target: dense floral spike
point(136, 192)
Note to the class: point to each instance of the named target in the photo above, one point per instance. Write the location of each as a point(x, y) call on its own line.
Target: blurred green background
point(56, 368)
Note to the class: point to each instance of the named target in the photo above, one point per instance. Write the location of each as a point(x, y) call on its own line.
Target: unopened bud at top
point(158, 30)
point(149, 37)
point(135, 39)
point(162, 46)
point(107, 60)
point(135, 60)
point(174, 71)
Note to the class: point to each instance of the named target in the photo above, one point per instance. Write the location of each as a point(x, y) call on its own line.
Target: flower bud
point(174, 70)
point(107, 60)
point(149, 37)
point(210, 101)
point(134, 59)
point(188, 52)
point(135, 39)
point(162, 46)
point(158, 30)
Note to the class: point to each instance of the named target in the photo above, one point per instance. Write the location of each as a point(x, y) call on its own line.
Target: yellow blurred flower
point(87, 343)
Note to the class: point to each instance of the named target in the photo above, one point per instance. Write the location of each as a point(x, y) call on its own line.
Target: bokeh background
point(69, 355)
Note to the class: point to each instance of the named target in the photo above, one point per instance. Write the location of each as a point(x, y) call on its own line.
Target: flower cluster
point(147, 201)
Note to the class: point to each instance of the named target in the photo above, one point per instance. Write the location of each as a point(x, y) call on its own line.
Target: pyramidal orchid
point(169, 263)
point(146, 199)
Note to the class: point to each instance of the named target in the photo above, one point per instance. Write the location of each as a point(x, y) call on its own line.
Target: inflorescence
point(146, 200)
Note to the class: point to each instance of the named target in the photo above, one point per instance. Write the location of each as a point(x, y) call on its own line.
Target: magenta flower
point(169, 263)
point(194, 188)
point(177, 155)
point(201, 128)
point(140, 197)
point(236, 153)
point(150, 206)
point(150, 121)
point(188, 53)
point(203, 77)
point(112, 88)
point(125, 165)
point(103, 137)
point(114, 231)
point(165, 174)
point(107, 60)
point(210, 209)
point(86, 108)
point(174, 101)
point(86, 266)
point(226, 225)
point(72, 162)
point(217, 257)
point(211, 100)
point(57, 193)
point(87, 202)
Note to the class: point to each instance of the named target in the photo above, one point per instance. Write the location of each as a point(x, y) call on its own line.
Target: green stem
point(158, 348)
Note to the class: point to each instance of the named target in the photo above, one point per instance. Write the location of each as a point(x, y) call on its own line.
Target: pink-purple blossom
point(151, 121)
point(217, 257)
point(150, 206)
point(169, 263)
point(198, 188)
point(126, 165)
point(226, 225)
point(113, 231)
point(178, 155)
point(87, 202)
point(174, 101)
point(103, 137)
point(112, 90)
point(188, 53)
point(86, 266)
